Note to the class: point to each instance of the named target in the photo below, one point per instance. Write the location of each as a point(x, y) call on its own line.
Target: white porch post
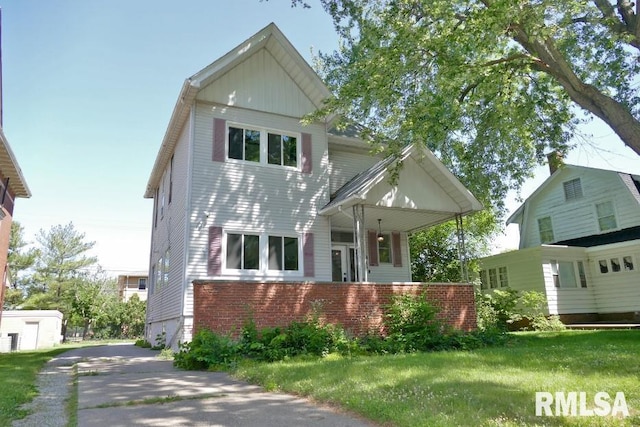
point(359, 242)
point(462, 250)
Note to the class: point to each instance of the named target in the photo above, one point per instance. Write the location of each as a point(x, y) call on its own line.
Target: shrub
point(412, 324)
point(207, 350)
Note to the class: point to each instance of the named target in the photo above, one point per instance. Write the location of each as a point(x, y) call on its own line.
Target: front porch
point(374, 213)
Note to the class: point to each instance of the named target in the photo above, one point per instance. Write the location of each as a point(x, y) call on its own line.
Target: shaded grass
point(486, 387)
point(17, 380)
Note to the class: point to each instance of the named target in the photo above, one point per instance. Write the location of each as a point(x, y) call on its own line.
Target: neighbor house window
point(283, 253)
point(243, 251)
point(572, 189)
point(615, 265)
point(142, 284)
point(282, 150)
point(493, 278)
point(606, 216)
point(627, 261)
point(546, 229)
point(244, 144)
point(582, 275)
point(384, 249)
point(165, 266)
point(483, 279)
point(564, 274)
point(502, 275)
point(604, 268)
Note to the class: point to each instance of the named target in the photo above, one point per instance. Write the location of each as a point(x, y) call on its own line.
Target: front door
point(343, 263)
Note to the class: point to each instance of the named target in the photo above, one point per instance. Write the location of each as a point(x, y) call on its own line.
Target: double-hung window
point(606, 216)
point(384, 249)
point(545, 228)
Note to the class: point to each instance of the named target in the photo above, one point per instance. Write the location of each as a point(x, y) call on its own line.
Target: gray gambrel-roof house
point(243, 191)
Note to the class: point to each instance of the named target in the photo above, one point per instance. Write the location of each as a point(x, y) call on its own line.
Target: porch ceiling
point(392, 219)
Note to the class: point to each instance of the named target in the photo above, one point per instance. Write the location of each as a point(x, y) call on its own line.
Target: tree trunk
point(548, 59)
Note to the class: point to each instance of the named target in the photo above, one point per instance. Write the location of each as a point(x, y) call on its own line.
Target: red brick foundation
point(358, 307)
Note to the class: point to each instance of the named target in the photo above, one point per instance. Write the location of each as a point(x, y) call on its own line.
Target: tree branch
point(613, 22)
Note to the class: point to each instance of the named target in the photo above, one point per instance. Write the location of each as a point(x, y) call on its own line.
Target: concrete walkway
point(124, 385)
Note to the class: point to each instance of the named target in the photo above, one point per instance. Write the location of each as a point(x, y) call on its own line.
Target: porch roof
point(425, 193)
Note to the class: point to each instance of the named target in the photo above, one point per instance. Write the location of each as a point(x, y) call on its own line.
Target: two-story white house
point(579, 245)
point(244, 191)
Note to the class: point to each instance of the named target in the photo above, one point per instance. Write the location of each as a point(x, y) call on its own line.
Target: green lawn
point(17, 380)
point(487, 387)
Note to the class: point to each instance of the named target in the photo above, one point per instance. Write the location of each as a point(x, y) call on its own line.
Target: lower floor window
point(283, 253)
point(246, 252)
point(243, 251)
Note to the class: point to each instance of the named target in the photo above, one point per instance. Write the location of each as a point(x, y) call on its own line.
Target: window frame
point(142, 284)
point(264, 133)
point(559, 280)
point(601, 218)
point(540, 230)
point(263, 254)
point(386, 241)
point(503, 273)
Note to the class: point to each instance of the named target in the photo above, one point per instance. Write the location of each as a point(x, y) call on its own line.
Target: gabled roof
point(270, 38)
point(10, 169)
point(446, 194)
point(632, 182)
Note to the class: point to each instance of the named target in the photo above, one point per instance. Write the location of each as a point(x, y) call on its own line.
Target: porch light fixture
point(380, 235)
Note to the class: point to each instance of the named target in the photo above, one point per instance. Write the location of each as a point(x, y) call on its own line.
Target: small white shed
point(30, 329)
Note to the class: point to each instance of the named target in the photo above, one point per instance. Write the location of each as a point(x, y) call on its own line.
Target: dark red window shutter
point(372, 240)
point(219, 139)
point(306, 153)
point(395, 248)
point(308, 255)
point(214, 264)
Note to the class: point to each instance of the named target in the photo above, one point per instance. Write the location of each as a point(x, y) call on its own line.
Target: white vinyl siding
point(387, 273)
point(344, 165)
point(166, 301)
point(261, 84)
point(254, 198)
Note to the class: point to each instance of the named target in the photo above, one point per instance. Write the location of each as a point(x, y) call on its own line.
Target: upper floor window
point(572, 189)
point(263, 146)
point(606, 216)
point(244, 144)
point(282, 150)
point(545, 229)
point(142, 284)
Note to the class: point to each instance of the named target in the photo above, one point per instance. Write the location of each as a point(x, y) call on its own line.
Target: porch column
point(462, 250)
point(360, 244)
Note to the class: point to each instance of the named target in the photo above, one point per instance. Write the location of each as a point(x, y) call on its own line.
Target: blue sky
point(89, 87)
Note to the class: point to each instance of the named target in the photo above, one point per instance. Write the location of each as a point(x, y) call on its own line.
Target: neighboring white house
point(579, 245)
point(243, 190)
point(30, 329)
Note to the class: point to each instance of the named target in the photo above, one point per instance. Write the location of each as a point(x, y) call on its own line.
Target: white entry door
point(29, 338)
point(342, 263)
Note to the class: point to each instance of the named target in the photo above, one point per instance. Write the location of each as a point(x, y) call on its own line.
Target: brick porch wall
point(224, 306)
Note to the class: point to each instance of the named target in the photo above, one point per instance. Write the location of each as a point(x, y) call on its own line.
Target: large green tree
point(20, 259)
point(61, 269)
point(489, 85)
